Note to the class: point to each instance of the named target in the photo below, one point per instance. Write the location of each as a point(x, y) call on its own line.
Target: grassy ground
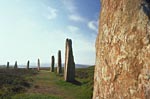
point(48, 85)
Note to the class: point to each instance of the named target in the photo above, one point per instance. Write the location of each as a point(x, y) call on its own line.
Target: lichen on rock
point(122, 68)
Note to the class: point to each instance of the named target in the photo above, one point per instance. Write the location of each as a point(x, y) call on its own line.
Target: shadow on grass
point(75, 82)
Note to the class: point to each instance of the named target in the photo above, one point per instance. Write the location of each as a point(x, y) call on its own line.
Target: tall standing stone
point(16, 65)
point(7, 64)
point(38, 65)
point(59, 67)
point(123, 50)
point(69, 68)
point(52, 63)
point(28, 63)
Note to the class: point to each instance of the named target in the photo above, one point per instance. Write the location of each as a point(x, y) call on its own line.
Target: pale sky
point(32, 29)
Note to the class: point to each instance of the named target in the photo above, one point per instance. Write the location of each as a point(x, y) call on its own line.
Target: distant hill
point(48, 65)
point(82, 66)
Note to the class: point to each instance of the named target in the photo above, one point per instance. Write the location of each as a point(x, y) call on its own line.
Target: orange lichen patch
point(123, 51)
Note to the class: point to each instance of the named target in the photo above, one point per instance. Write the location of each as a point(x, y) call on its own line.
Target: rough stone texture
point(7, 64)
point(69, 68)
point(59, 67)
point(123, 50)
point(38, 63)
point(28, 63)
point(52, 63)
point(15, 66)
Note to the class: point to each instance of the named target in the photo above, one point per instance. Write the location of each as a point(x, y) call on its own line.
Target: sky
point(32, 29)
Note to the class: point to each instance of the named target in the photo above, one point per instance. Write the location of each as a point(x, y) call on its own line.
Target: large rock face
point(123, 50)
point(69, 68)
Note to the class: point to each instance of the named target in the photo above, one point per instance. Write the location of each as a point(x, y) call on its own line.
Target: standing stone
point(69, 68)
point(52, 63)
point(38, 63)
point(123, 50)
point(7, 64)
point(28, 63)
point(59, 67)
point(15, 66)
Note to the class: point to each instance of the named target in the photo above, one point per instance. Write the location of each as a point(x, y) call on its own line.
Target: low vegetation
point(31, 84)
point(14, 81)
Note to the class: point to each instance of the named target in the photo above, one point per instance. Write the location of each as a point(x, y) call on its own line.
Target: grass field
point(31, 84)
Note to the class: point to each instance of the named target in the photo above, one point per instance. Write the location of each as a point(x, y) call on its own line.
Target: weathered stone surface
point(52, 63)
point(69, 68)
point(59, 67)
point(38, 65)
point(7, 65)
point(16, 65)
point(28, 63)
point(123, 50)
